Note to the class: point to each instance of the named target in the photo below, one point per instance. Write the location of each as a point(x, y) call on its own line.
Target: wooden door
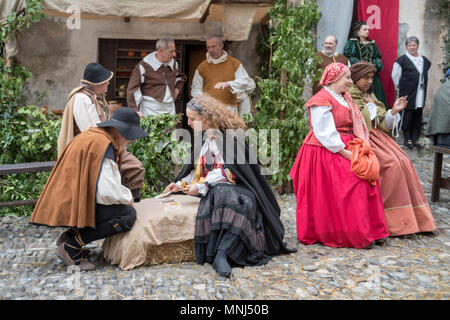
point(122, 55)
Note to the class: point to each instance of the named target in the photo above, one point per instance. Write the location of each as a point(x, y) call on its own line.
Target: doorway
point(122, 55)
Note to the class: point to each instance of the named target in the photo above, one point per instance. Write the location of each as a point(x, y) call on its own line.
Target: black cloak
point(248, 173)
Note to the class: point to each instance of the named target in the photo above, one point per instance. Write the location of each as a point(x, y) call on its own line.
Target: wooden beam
point(26, 167)
point(440, 149)
point(18, 203)
point(205, 14)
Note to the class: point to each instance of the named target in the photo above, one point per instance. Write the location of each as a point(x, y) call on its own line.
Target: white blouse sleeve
point(188, 178)
point(324, 128)
point(212, 178)
point(241, 81)
point(396, 74)
point(84, 112)
point(109, 188)
point(197, 84)
point(392, 122)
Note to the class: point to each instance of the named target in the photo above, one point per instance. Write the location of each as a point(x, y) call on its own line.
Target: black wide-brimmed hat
point(127, 122)
point(95, 74)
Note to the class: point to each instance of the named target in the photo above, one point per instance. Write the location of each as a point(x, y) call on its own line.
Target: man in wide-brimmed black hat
point(87, 106)
point(84, 191)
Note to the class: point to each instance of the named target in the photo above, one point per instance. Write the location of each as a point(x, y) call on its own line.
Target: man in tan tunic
point(87, 106)
point(223, 77)
point(329, 55)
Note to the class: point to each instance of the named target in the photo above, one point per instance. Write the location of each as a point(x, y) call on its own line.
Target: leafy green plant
point(12, 75)
point(155, 152)
point(292, 61)
point(30, 136)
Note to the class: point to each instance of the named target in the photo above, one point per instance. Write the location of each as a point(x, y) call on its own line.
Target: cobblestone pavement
point(408, 267)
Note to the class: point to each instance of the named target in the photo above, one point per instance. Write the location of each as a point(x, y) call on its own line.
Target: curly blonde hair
point(217, 114)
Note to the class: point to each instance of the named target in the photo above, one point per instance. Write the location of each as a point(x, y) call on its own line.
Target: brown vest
point(155, 82)
point(326, 60)
point(213, 73)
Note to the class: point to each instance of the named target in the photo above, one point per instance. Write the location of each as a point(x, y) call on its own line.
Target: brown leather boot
point(77, 260)
point(66, 235)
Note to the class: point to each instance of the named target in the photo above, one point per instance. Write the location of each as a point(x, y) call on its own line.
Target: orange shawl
point(364, 163)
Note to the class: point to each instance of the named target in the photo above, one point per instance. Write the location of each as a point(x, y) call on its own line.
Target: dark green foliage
point(155, 152)
point(292, 45)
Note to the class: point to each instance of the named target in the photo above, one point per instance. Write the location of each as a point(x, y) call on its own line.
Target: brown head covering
point(360, 69)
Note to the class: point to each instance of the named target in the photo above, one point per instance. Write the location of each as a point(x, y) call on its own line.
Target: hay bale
point(161, 234)
point(170, 253)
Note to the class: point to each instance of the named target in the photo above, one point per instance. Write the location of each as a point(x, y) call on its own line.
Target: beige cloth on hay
point(157, 223)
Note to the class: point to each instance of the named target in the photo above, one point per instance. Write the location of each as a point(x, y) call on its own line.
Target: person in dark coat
point(238, 219)
point(410, 76)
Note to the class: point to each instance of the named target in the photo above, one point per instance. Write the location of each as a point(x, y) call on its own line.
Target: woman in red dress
point(334, 206)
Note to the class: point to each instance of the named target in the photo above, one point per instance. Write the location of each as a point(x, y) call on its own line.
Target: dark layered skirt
point(228, 219)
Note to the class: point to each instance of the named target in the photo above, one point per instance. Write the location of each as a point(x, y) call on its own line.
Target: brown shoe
point(65, 236)
point(82, 263)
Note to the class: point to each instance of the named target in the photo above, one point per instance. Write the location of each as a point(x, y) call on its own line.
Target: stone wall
point(55, 53)
point(416, 18)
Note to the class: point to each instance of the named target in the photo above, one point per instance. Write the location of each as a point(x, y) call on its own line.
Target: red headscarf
point(332, 73)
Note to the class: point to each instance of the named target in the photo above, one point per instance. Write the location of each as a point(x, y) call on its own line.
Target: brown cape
point(68, 198)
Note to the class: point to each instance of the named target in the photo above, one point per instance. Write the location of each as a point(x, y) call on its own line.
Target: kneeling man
point(84, 191)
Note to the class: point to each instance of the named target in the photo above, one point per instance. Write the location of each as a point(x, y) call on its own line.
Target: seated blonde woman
point(405, 205)
point(238, 219)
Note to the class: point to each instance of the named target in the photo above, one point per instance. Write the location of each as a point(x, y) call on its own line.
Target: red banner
point(382, 18)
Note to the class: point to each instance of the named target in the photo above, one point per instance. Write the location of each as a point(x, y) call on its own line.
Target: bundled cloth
point(364, 163)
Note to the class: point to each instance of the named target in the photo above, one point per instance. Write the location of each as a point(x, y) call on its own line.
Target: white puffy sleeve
point(241, 81)
point(84, 112)
point(324, 128)
point(109, 188)
point(396, 74)
point(188, 178)
point(197, 84)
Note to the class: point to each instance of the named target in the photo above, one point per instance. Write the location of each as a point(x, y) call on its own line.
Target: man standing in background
point(410, 77)
point(329, 55)
point(156, 81)
point(222, 76)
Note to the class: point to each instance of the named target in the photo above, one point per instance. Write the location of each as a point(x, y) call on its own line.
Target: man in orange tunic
point(84, 191)
point(222, 77)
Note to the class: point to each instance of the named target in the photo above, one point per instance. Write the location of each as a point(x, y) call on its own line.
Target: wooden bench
point(438, 181)
point(24, 168)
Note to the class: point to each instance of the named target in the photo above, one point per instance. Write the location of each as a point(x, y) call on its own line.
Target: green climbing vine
point(288, 43)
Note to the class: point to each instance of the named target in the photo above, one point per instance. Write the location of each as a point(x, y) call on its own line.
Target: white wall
point(415, 19)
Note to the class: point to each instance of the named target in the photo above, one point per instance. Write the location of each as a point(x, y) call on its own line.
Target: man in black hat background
point(87, 106)
point(84, 191)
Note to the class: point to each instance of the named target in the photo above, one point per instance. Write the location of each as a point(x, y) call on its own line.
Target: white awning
point(163, 9)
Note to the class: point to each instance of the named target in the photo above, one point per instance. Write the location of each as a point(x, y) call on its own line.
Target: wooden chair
point(438, 181)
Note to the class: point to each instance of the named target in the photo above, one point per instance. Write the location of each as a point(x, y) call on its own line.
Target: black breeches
point(109, 220)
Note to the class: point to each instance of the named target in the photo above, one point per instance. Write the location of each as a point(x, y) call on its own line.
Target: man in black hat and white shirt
point(85, 108)
point(84, 191)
